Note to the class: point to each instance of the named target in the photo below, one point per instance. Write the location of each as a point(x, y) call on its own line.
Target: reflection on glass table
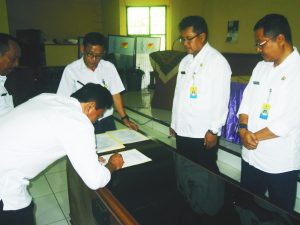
point(172, 190)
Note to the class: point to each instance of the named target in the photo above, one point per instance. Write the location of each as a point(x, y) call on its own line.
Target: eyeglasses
point(261, 44)
point(188, 39)
point(96, 56)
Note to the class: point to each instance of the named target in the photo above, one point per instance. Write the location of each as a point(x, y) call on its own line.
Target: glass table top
point(171, 190)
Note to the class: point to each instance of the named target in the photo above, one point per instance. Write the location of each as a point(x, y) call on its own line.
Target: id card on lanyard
point(265, 109)
point(193, 89)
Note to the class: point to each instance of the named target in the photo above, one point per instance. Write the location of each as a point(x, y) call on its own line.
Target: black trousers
point(281, 187)
point(104, 125)
point(194, 149)
point(23, 216)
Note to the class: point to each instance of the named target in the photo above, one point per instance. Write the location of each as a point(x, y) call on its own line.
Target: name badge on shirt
point(104, 84)
point(265, 111)
point(193, 91)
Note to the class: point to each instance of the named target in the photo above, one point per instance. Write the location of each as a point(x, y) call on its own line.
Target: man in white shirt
point(40, 131)
point(91, 68)
point(200, 104)
point(269, 115)
point(9, 59)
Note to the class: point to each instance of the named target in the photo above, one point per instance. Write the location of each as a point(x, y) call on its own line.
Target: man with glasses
point(91, 68)
point(269, 115)
point(200, 103)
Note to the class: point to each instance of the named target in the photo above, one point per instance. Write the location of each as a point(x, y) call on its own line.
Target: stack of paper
point(127, 136)
point(113, 140)
point(105, 143)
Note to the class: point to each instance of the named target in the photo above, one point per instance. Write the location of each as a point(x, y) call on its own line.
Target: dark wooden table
point(169, 190)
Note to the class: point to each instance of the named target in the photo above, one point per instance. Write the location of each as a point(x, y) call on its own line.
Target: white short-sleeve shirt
point(278, 86)
point(210, 73)
point(77, 72)
point(37, 133)
point(6, 101)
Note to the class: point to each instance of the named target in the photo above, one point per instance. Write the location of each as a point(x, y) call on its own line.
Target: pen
point(80, 83)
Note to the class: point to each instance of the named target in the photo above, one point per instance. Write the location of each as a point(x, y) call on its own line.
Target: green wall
point(217, 13)
point(111, 17)
point(3, 17)
point(72, 18)
point(60, 55)
point(61, 19)
point(248, 13)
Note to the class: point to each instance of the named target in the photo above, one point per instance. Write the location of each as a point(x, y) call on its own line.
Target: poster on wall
point(123, 49)
point(232, 31)
point(121, 44)
point(146, 45)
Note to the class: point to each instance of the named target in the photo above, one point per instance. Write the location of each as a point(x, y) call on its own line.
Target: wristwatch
point(212, 132)
point(243, 126)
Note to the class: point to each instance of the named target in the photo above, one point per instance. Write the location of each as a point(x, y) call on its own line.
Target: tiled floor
point(50, 195)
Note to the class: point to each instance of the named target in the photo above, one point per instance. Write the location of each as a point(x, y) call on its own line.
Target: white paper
point(127, 136)
point(106, 143)
point(131, 157)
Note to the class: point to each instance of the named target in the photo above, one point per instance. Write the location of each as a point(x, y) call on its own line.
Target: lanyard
point(269, 95)
point(193, 77)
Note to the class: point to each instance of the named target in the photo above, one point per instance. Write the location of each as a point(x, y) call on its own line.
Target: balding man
point(9, 59)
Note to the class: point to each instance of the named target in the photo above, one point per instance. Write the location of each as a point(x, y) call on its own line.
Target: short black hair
point(94, 92)
point(273, 25)
point(4, 42)
point(197, 22)
point(94, 38)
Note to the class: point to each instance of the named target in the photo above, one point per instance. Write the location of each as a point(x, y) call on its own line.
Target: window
point(147, 21)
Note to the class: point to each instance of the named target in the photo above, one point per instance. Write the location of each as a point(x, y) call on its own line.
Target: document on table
point(131, 157)
point(105, 143)
point(127, 136)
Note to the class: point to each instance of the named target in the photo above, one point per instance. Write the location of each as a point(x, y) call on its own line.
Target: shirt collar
point(200, 55)
point(2, 79)
point(76, 102)
point(84, 67)
point(290, 59)
point(82, 64)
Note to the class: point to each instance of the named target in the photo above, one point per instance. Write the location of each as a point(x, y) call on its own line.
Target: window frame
point(149, 26)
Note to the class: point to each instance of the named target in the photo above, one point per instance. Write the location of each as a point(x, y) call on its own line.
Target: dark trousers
point(17, 217)
point(104, 125)
point(194, 149)
point(281, 187)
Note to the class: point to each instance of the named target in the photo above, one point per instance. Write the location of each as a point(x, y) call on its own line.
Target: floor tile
point(39, 187)
point(47, 210)
point(63, 201)
point(57, 181)
point(229, 171)
point(297, 205)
